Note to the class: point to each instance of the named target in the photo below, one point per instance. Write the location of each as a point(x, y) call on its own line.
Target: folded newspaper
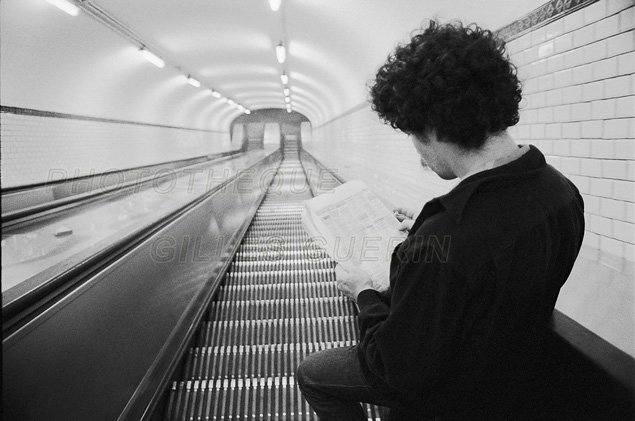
point(355, 228)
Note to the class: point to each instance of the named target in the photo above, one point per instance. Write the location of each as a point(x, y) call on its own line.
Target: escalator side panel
point(100, 352)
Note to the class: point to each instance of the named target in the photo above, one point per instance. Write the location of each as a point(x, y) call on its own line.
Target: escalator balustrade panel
point(277, 304)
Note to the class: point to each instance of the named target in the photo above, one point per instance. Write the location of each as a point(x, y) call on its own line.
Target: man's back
point(474, 310)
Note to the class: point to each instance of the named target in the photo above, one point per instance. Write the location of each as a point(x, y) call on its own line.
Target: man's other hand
point(352, 281)
point(406, 216)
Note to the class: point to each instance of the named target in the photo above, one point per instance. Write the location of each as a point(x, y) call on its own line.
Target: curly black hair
point(453, 79)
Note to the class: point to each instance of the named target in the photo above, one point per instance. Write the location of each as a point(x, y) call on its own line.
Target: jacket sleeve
point(408, 343)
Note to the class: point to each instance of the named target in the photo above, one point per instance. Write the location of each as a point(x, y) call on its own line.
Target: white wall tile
point(615, 6)
point(603, 109)
point(594, 12)
point(584, 36)
point(618, 87)
point(625, 106)
point(562, 113)
point(601, 187)
point(610, 208)
point(593, 90)
point(563, 43)
point(607, 27)
point(601, 148)
point(620, 44)
point(624, 190)
point(624, 231)
point(592, 129)
point(626, 63)
point(35, 146)
point(591, 167)
point(614, 169)
point(627, 20)
point(581, 111)
point(573, 21)
point(617, 128)
point(581, 147)
point(572, 94)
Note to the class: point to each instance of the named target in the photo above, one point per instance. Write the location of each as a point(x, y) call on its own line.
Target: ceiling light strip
point(275, 4)
point(66, 6)
point(152, 58)
point(149, 52)
point(281, 53)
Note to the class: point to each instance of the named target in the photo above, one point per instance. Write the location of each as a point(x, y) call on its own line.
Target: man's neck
point(496, 147)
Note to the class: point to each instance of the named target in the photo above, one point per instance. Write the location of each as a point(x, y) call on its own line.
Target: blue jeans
point(333, 384)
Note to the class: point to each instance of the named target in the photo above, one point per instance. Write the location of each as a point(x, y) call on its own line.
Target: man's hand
point(406, 216)
point(352, 281)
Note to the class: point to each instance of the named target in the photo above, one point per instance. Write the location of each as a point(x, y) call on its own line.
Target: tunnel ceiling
point(333, 50)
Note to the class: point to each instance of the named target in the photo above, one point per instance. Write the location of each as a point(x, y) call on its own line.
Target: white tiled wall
point(34, 147)
point(579, 109)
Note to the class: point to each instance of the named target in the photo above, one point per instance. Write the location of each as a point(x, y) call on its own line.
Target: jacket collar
point(454, 202)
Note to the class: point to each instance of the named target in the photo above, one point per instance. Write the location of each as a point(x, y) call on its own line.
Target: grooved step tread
point(279, 331)
point(282, 308)
point(279, 290)
point(278, 303)
point(270, 398)
point(245, 361)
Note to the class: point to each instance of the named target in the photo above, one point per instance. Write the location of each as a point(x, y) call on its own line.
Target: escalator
point(203, 313)
point(278, 302)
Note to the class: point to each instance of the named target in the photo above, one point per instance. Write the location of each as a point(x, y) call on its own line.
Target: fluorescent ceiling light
point(286, 91)
point(152, 58)
point(66, 6)
point(284, 78)
point(216, 94)
point(275, 4)
point(247, 112)
point(195, 83)
point(287, 99)
point(281, 53)
point(240, 107)
point(230, 102)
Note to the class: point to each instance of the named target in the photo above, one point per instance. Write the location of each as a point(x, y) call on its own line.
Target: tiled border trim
point(547, 13)
point(40, 113)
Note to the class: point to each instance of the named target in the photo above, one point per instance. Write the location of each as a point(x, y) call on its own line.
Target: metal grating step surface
point(283, 308)
point(264, 398)
point(278, 303)
point(248, 361)
point(280, 331)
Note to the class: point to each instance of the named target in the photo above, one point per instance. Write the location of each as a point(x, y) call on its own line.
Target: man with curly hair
point(473, 286)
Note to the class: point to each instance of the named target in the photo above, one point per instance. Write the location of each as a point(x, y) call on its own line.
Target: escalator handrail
point(163, 376)
point(322, 166)
point(50, 208)
point(26, 300)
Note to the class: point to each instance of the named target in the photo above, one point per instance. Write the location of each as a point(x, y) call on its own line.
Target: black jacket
point(472, 290)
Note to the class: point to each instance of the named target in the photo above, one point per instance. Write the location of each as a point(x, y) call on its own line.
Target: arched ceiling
point(78, 65)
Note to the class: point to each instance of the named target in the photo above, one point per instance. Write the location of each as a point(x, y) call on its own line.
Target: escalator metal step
point(277, 304)
point(279, 331)
point(248, 361)
point(281, 308)
point(260, 398)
